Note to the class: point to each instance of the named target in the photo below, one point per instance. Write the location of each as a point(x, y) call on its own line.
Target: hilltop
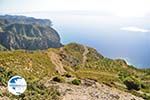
point(74, 68)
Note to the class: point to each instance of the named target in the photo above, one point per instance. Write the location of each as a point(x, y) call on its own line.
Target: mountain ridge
point(11, 19)
point(20, 32)
point(64, 67)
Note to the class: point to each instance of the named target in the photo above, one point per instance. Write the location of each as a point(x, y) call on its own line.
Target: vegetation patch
point(132, 83)
point(58, 79)
point(76, 82)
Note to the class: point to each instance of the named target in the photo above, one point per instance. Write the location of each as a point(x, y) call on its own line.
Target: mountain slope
point(72, 64)
point(57, 72)
point(9, 19)
point(19, 32)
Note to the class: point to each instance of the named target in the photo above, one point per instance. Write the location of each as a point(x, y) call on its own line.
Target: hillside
point(12, 19)
point(74, 69)
point(20, 32)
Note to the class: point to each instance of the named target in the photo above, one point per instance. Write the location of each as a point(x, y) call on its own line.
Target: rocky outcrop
point(90, 90)
point(19, 32)
point(9, 19)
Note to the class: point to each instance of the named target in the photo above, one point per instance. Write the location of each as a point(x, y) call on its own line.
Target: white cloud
point(134, 29)
point(122, 8)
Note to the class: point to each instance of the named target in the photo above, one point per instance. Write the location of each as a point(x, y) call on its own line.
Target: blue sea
point(103, 32)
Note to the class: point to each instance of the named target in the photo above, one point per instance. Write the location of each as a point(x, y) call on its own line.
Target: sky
point(123, 8)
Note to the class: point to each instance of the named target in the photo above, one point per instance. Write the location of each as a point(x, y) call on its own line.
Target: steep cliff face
point(19, 32)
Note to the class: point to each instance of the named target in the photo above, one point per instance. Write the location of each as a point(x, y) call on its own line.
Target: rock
point(21, 32)
point(95, 92)
point(89, 82)
point(9, 19)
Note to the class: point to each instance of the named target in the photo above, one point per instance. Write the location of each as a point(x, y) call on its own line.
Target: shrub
point(122, 75)
point(145, 97)
point(2, 69)
point(58, 79)
point(1, 93)
point(76, 82)
point(68, 75)
point(132, 83)
point(37, 91)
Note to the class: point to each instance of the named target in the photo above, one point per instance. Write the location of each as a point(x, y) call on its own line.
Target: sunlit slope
point(80, 61)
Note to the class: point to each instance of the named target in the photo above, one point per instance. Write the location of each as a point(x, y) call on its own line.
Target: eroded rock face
point(19, 32)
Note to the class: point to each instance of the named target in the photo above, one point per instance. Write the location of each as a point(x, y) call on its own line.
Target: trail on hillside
point(90, 90)
point(58, 64)
point(86, 51)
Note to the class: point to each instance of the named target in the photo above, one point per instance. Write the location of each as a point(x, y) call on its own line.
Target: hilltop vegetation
point(71, 61)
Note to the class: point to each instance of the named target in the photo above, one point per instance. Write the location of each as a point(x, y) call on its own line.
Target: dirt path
point(58, 64)
point(97, 73)
point(95, 91)
point(86, 51)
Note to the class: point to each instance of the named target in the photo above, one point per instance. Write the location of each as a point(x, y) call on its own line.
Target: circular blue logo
point(17, 85)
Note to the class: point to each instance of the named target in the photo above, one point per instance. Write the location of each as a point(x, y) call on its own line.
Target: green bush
point(37, 91)
point(122, 75)
point(145, 97)
point(76, 82)
point(1, 69)
point(1, 93)
point(132, 83)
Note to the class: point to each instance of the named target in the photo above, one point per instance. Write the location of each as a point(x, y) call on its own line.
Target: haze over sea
point(113, 36)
